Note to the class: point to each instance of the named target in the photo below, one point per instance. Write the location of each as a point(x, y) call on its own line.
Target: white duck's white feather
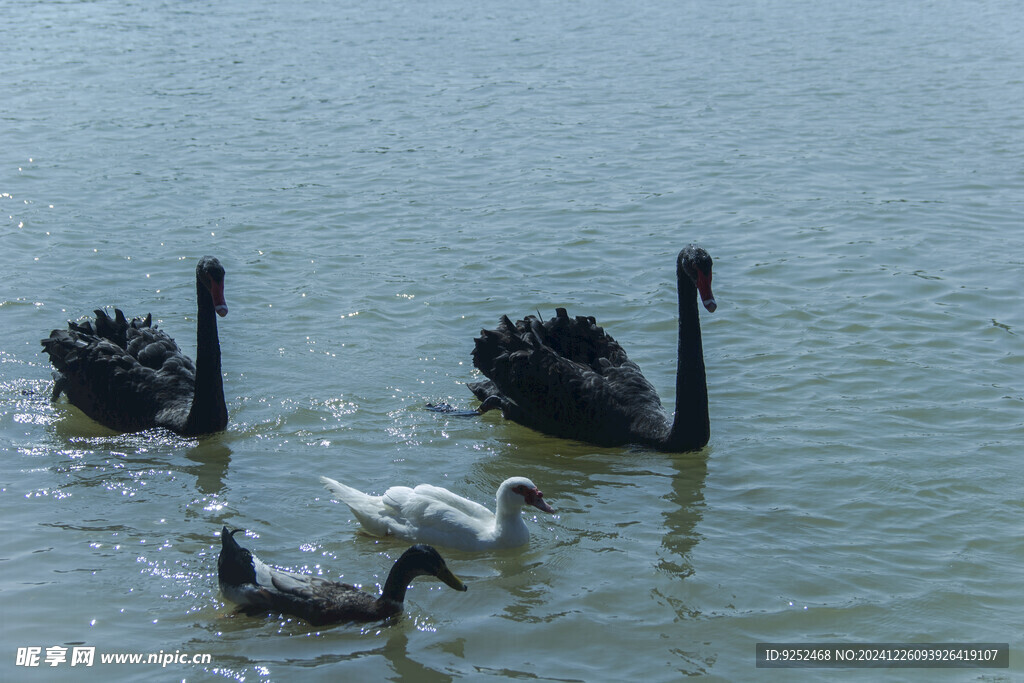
point(436, 516)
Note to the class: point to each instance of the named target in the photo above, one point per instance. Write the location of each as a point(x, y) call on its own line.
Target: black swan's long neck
point(208, 412)
point(691, 426)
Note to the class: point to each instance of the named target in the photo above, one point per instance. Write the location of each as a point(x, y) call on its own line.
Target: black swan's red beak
point(217, 292)
point(704, 288)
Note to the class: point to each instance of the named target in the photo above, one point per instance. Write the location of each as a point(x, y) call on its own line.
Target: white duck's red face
point(533, 496)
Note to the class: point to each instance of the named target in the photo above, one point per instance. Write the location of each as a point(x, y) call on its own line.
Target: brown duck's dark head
point(423, 560)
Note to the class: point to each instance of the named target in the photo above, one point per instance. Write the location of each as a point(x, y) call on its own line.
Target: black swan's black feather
point(129, 375)
point(568, 377)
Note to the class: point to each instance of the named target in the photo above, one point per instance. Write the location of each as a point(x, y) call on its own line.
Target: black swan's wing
point(127, 375)
point(102, 380)
point(567, 377)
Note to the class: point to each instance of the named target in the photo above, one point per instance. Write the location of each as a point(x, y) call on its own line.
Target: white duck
point(430, 514)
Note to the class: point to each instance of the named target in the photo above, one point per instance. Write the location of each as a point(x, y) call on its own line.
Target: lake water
point(381, 180)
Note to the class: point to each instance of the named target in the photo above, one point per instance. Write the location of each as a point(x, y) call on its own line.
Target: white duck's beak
point(536, 499)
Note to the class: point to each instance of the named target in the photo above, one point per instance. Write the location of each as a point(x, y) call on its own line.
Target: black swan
point(257, 588)
point(567, 377)
point(129, 376)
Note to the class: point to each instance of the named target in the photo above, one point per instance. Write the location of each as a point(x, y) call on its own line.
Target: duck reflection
point(625, 513)
point(337, 664)
point(396, 651)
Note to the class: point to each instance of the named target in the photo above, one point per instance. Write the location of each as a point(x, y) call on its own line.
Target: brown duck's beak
point(536, 499)
point(446, 575)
